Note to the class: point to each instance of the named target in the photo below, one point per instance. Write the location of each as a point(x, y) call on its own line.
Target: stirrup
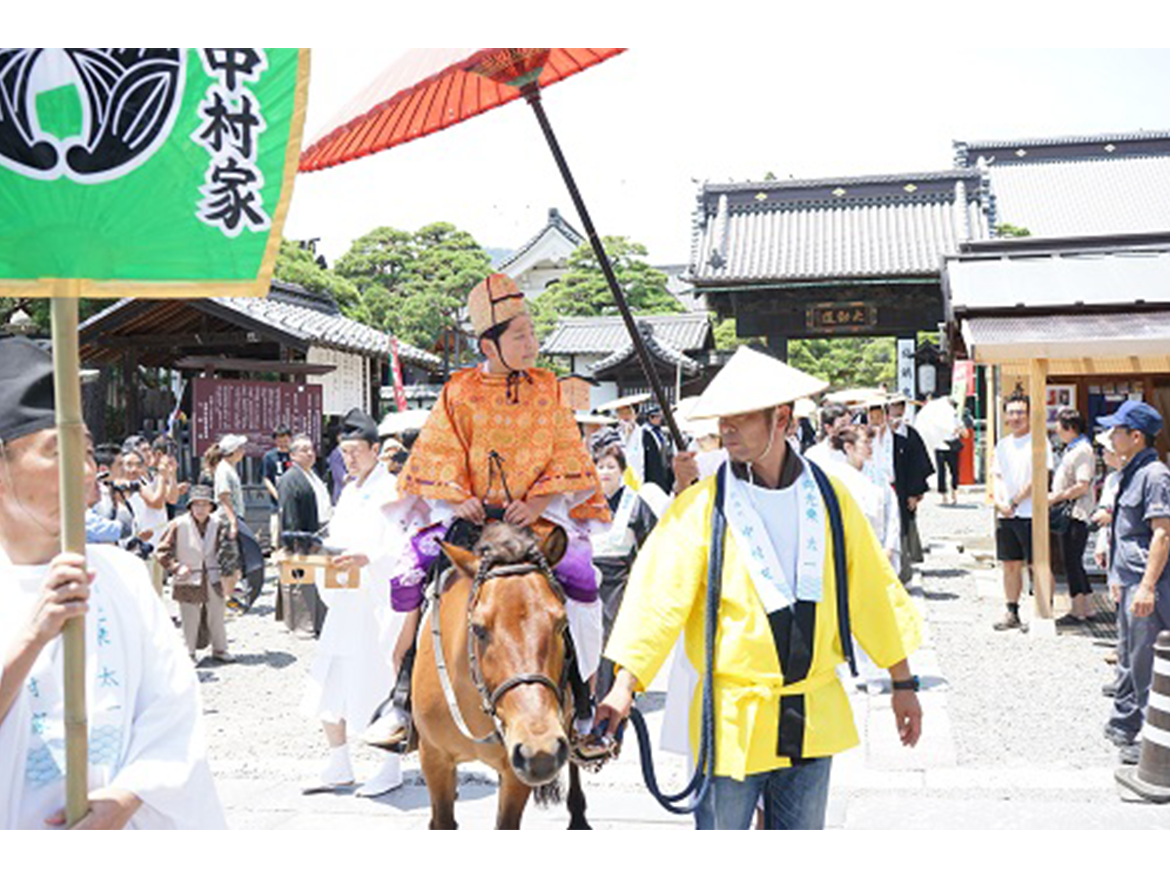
point(391, 728)
point(592, 751)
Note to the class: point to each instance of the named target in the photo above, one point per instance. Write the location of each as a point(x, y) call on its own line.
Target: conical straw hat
point(752, 381)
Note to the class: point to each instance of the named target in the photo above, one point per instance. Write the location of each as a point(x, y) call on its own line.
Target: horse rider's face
point(517, 346)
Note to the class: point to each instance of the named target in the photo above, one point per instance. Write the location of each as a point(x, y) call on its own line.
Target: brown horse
point(509, 688)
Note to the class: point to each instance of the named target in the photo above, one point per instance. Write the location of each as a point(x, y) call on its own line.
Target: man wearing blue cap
point(1139, 579)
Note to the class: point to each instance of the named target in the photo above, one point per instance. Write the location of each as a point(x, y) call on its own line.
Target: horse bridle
point(490, 698)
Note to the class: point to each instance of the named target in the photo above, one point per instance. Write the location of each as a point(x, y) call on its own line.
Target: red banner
point(396, 372)
point(962, 381)
point(253, 409)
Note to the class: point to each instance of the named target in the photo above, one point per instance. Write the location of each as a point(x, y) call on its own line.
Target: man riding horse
point(501, 444)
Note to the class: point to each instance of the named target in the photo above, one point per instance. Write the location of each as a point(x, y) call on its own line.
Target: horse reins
point(490, 698)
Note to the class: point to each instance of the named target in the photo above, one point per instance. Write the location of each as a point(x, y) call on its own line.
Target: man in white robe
point(147, 762)
point(359, 648)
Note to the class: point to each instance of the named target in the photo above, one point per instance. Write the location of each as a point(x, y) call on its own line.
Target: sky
point(643, 130)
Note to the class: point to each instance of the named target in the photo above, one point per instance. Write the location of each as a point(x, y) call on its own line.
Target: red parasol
point(427, 90)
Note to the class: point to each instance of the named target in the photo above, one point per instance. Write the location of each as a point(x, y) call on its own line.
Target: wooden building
point(1078, 312)
point(833, 257)
point(150, 353)
point(682, 347)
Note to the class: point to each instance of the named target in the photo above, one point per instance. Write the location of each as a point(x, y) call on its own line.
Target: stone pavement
point(972, 769)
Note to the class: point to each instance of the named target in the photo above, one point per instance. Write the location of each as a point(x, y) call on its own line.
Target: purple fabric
point(338, 472)
point(575, 571)
point(406, 589)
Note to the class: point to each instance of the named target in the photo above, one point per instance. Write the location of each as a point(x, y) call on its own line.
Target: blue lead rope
point(700, 781)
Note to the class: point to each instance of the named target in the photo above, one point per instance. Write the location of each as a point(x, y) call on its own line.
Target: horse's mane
point(503, 543)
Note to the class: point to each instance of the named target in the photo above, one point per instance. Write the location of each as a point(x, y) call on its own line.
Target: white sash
point(636, 454)
point(757, 552)
point(617, 540)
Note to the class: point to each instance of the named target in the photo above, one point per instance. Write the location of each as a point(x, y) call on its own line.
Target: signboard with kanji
point(160, 172)
point(906, 368)
point(253, 409)
point(841, 317)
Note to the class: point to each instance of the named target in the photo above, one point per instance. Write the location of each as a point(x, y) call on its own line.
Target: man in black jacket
point(299, 512)
point(304, 508)
point(912, 470)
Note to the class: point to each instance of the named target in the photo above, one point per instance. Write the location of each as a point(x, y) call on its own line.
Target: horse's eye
point(479, 632)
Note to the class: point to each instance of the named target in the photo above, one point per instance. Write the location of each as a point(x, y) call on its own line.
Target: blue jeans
point(794, 798)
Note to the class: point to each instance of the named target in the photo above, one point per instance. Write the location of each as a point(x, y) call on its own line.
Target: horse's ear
point(466, 562)
point(554, 545)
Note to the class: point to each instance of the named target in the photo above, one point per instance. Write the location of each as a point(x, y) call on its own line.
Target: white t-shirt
point(147, 518)
point(1013, 467)
point(780, 514)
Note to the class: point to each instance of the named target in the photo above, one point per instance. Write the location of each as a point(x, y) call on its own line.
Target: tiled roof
point(873, 226)
point(658, 348)
point(295, 313)
point(604, 335)
point(1101, 184)
point(555, 223)
point(319, 321)
point(1038, 148)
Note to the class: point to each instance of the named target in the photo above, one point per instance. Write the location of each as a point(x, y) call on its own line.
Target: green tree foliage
point(39, 310)
point(1007, 230)
point(843, 362)
point(412, 283)
point(725, 337)
point(583, 292)
point(298, 265)
point(846, 362)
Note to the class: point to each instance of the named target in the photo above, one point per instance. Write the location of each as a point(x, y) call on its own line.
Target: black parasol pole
point(532, 95)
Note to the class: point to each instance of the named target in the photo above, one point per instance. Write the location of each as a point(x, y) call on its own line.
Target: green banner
point(151, 172)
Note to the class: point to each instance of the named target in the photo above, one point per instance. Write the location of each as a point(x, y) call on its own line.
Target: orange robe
point(531, 429)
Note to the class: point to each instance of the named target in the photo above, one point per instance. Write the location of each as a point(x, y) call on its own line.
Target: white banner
point(906, 367)
point(345, 387)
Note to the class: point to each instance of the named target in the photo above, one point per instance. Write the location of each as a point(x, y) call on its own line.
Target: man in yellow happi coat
point(780, 711)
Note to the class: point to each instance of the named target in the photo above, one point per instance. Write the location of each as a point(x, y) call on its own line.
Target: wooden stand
point(317, 569)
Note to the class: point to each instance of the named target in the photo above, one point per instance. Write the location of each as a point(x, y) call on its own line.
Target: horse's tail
point(549, 794)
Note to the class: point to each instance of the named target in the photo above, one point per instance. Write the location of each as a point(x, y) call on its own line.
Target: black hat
point(26, 389)
point(358, 425)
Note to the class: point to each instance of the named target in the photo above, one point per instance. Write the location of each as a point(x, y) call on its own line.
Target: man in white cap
point(780, 711)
